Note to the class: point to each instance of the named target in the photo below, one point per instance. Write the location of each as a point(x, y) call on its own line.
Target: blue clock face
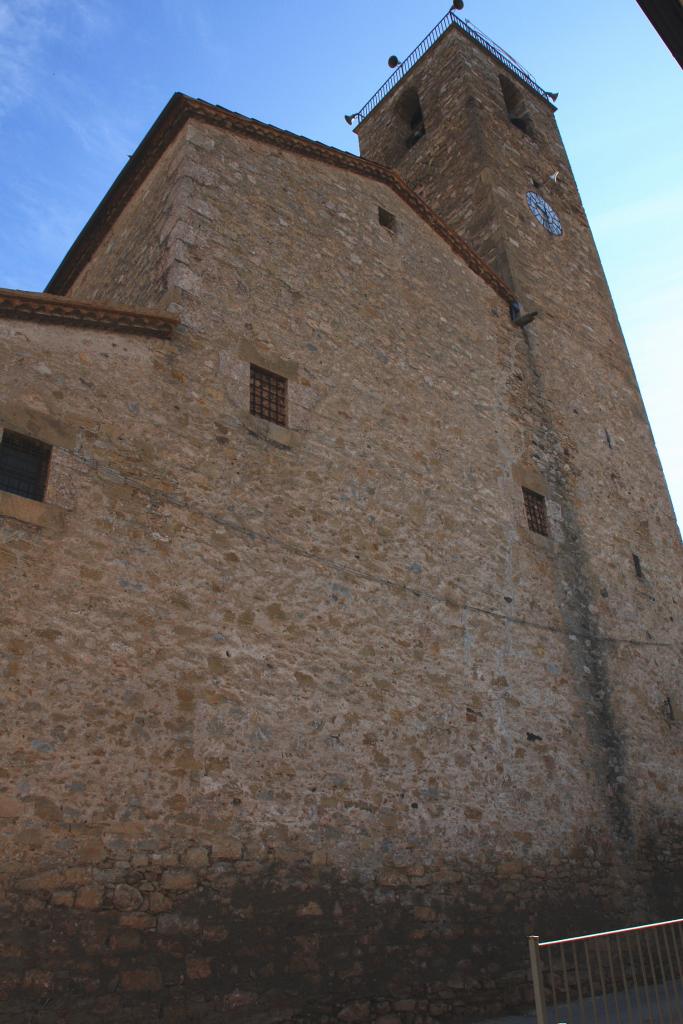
point(544, 213)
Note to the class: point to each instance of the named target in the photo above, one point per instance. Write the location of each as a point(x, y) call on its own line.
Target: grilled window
point(24, 463)
point(268, 395)
point(536, 517)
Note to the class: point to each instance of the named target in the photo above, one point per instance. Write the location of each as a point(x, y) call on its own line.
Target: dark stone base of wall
point(205, 934)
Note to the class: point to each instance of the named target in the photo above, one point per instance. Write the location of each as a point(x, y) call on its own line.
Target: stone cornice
point(41, 307)
point(175, 115)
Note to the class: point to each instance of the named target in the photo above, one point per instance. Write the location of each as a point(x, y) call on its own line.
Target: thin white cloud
point(103, 136)
point(45, 213)
point(27, 27)
point(24, 29)
point(94, 16)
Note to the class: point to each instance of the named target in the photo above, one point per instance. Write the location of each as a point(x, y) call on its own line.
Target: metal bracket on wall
point(520, 319)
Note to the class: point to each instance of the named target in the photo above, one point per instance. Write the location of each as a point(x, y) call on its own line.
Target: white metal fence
point(631, 976)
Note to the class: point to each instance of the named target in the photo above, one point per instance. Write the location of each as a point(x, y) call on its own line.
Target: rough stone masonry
point(301, 720)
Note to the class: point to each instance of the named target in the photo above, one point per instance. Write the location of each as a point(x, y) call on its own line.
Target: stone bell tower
point(475, 136)
point(472, 132)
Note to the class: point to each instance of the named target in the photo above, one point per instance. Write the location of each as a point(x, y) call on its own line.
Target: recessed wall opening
point(638, 566)
point(410, 112)
point(24, 465)
point(386, 219)
point(515, 104)
point(536, 515)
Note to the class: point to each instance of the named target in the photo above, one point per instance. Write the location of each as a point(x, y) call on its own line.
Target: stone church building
point(341, 639)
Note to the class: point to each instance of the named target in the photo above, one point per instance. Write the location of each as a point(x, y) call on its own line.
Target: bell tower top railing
point(448, 21)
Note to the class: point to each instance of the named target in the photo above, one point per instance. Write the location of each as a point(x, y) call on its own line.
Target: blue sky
point(82, 80)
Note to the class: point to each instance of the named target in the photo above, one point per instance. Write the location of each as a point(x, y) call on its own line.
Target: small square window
point(24, 463)
point(268, 395)
point(386, 219)
point(536, 516)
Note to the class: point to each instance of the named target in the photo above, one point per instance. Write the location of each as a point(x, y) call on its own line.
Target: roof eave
point(174, 116)
point(41, 307)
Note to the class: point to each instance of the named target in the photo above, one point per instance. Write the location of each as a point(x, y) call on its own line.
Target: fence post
point(537, 977)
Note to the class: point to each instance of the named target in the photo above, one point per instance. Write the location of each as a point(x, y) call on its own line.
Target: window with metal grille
point(24, 463)
point(536, 517)
point(268, 395)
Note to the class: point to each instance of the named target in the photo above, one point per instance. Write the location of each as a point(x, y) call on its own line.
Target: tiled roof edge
point(42, 307)
point(177, 112)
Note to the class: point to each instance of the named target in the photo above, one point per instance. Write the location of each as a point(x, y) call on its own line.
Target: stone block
point(93, 853)
point(158, 903)
point(177, 924)
point(35, 513)
point(197, 968)
point(310, 909)
point(9, 982)
point(9, 807)
point(226, 849)
point(355, 1012)
point(141, 922)
point(76, 876)
point(124, 939)
point(39, 979)
point(141, 980)
point(127, 897)
point(178, 880)
point(510, 869)
point(89, 897)
point(166, 858)
point(107, 1006)
point(425, 914)
point(239, 998)
point(196, 857)
point(62, 898)
point(46, 880)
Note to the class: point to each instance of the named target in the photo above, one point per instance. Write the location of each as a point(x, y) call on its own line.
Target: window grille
point(24, 463)
point(536, 516)
point(268, 395)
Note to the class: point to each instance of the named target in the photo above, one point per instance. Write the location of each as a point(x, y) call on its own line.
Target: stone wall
point(135, 260)
point(138, 931)
point(304, 724)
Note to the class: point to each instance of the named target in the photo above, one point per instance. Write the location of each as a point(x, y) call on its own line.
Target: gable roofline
point(45, 308)
point(177, 112)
